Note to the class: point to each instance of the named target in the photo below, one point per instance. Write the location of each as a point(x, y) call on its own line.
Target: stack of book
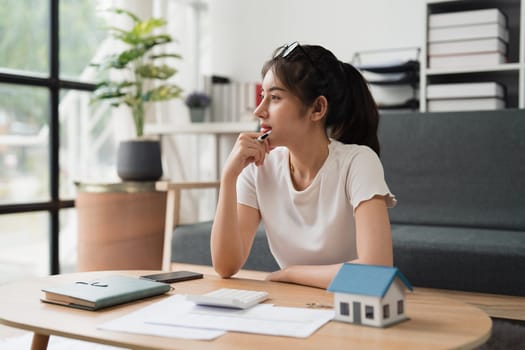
point(465, 97)
point(475, 38)
point(231, 101)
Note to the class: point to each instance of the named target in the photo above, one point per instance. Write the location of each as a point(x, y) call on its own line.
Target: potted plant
point(197, 102)
point(144, 80)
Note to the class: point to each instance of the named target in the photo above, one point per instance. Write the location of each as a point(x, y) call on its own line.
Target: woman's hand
point(245, 151)
point(277, 276)
point(318, 276)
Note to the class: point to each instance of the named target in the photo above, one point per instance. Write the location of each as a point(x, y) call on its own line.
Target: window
point(50, 135)
point(400, 307)
point(25, 36)
point(24, 144)
point(344, 309)
point(386, 311)
point(369, 312)
point(47, 42)
point(25, 255)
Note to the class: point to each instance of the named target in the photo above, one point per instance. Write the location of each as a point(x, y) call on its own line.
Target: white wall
point(245, 32)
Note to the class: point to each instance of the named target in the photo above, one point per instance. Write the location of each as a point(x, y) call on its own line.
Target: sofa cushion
point(468, 259)
point(475, 259)
point(191, 245)
point(456, 169)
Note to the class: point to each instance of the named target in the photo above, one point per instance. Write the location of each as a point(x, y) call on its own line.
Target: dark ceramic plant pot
point(139, 160)
point(197, 115)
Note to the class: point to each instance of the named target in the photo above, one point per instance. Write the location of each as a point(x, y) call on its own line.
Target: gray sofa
point(460, 220)
point(460, 182)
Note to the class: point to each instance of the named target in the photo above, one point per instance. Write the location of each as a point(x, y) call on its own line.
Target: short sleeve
point(246, 193)
point(366, 179)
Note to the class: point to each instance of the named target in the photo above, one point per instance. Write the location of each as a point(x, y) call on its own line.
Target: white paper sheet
point(262, 318)
point(134, 323)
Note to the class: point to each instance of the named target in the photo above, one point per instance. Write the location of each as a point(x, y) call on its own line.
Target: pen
point(264, 136)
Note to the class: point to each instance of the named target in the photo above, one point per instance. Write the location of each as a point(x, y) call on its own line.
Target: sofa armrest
point(173, 190)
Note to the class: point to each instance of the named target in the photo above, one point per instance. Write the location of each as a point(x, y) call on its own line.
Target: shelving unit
point(511, 75)
point(393, 76)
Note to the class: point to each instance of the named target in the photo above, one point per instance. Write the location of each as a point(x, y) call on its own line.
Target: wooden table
point(435, 322)
point(495, 305)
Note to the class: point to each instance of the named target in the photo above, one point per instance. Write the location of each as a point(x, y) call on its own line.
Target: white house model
point(369, 295)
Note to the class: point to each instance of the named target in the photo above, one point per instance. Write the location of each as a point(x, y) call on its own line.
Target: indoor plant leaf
point(162, 93)
point(151, 71)
point(164, 55)
point(136, 61)
point(130, 14)
point(142, 28)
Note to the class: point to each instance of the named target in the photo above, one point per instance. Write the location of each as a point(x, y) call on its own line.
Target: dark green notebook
point(104, 292)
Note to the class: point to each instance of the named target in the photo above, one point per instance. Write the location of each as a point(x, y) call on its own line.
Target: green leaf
point(150, 71)
point(102, 84)
point(114, 83)
point(162, 93)
point(166, 55)
point(145, 42)
point(125, 36)
point(116, 30)
point(107, 94)
point(131, 15)
point(145, 27)
point(131, 100)
point(155, 40)
point(111, 90)
point(120, 61)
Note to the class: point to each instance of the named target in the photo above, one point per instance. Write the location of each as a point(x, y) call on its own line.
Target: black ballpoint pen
point(264, 136)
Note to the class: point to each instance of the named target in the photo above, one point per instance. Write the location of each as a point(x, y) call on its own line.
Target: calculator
point(231, 298)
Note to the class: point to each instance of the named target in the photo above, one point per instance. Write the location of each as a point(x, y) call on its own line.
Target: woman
point(314, 178)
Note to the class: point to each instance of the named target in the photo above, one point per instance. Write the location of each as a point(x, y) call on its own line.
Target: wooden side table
point(120, 226)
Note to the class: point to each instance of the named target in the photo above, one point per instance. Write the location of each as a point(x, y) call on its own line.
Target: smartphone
point(174, 276)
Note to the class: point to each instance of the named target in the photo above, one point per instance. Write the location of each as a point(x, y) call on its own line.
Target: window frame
point(54, 84)
point(400, 306)
point(369, 312)
point(386, 311)
point(344, 308)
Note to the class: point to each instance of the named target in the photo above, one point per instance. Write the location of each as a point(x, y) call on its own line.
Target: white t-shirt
point(315, 226)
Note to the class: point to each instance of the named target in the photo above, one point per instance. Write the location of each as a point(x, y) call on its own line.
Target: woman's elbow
point(225, 271)
point(385, 259)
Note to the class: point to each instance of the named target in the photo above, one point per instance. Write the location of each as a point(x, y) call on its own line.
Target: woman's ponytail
point(356, 118)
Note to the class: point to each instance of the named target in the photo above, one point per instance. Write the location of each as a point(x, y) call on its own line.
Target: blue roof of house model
point(370, 280)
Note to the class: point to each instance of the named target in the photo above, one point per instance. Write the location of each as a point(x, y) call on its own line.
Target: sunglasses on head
point(288, 49)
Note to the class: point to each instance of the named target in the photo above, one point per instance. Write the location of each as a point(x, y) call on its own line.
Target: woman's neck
point(306, 159)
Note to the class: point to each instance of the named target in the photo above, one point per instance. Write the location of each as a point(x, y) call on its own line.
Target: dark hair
point(312, 71)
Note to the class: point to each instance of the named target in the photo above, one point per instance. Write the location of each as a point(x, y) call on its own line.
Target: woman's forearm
point(227, 248)
point(232, 233)
point(318, 276)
